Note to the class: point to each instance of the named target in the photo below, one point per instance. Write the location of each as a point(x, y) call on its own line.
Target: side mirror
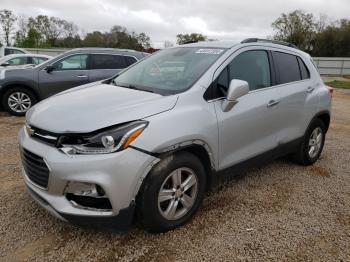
point(49, 68)
point(237, 89)
point(5, 64)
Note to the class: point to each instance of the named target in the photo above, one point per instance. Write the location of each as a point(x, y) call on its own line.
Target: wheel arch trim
point(5, 88)
point(169, 150)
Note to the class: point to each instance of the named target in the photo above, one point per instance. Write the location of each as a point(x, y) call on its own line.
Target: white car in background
point(19, 60)
point(9, 50)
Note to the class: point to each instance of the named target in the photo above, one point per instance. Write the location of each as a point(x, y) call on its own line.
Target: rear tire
point(17, 101)
point(311, 148)
point(172, 192)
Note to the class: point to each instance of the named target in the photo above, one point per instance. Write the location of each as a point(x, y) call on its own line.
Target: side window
point(287, 66)
point(11, 51)
point(253, 67)
point(74, 62)
point(305, 74)
point(102, 61)
point(222, 83)
point(129, 60)
point(18, 61)
point(38, 60)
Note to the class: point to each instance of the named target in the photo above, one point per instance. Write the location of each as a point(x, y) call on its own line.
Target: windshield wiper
point(132, 87)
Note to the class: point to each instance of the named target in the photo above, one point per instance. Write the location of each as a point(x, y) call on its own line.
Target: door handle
point(310, 89)
point(273, 103)
point(82, 76)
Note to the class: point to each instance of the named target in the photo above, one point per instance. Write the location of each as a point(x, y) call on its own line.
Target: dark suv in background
point(20, 89)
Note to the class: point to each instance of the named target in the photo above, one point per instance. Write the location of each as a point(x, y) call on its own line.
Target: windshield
point(169, 71)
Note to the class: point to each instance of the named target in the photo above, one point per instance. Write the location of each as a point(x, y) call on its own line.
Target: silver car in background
point(15, 61)
point(149, 142)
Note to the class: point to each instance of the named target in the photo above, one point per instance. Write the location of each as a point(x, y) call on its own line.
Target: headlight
point(106, 141)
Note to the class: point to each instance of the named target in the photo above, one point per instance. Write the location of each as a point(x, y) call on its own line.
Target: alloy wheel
point(178, 193)
point(19, 102)
point(315, 142)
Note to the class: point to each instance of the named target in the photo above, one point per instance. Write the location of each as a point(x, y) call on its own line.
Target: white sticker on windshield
point(209, 51)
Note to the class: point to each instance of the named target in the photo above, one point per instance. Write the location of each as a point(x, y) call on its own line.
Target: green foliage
point(117, 37)
point(45, 32)
point(193, 37)
point(334, 40)
point(339, 84)
point(296, 27)
point(312, 35)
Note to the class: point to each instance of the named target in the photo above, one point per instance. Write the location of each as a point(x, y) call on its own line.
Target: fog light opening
point(87, 196)
point(101, 203)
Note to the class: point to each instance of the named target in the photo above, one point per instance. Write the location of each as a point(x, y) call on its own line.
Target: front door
point(249, 128)
point(69, 72)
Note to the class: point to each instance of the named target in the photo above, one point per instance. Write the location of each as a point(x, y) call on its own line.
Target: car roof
point(229, 44)
point(103, 50)
point(213, 44)
point(26, 55)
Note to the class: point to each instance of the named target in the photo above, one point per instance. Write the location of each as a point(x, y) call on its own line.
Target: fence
point(338, 66)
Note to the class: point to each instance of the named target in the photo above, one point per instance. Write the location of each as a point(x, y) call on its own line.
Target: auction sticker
point(209, 51)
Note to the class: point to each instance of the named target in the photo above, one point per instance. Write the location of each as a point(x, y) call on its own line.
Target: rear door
point(249, 128)
point(104, 66)
point(68, 72)
point(294, 85)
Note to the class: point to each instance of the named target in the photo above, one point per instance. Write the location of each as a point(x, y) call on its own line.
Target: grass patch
point(339, 84)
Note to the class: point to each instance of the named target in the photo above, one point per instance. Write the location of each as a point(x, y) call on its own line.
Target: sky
point(163, 20)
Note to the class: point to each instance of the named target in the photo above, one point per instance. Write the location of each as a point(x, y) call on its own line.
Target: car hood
point(84, 110)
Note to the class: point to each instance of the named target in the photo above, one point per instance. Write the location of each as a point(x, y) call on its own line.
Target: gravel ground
point(281, 211)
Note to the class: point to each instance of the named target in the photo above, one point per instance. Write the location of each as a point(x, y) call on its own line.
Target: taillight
point(330, 89)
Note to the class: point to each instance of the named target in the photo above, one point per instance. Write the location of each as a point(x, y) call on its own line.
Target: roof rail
point(255, 40)
point(190, 42)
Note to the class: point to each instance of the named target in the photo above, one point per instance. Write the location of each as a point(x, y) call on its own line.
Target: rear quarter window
point(102, 61)
point(304, 71)
point(129, 60)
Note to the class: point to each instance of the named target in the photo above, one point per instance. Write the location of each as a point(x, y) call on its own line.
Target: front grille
point(36, 168)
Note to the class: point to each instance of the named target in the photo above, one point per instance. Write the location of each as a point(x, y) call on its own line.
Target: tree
point(334, 40)
point(144, 40)
point(52, 28)
point(7, 21)
point(94, 39)
point(296, 27)
point(193, 37)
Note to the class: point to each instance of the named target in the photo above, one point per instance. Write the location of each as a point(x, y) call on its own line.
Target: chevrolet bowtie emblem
point(30, 131)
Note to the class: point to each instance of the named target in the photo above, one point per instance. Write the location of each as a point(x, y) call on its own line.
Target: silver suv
point(148, 143)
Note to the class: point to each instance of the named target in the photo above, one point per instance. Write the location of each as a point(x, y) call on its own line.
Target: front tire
point(17, 101)
point(311, 148)
point(172, 192)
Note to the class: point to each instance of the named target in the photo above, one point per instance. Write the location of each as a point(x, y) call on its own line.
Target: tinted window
point(74, 62)
point(18, 61)
point(129, 60)
point(222, 83)
point(38, 60)
point(253, 67)
point(287, 66)
point(10, 51)
point(107, 62)
point(303, 69)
